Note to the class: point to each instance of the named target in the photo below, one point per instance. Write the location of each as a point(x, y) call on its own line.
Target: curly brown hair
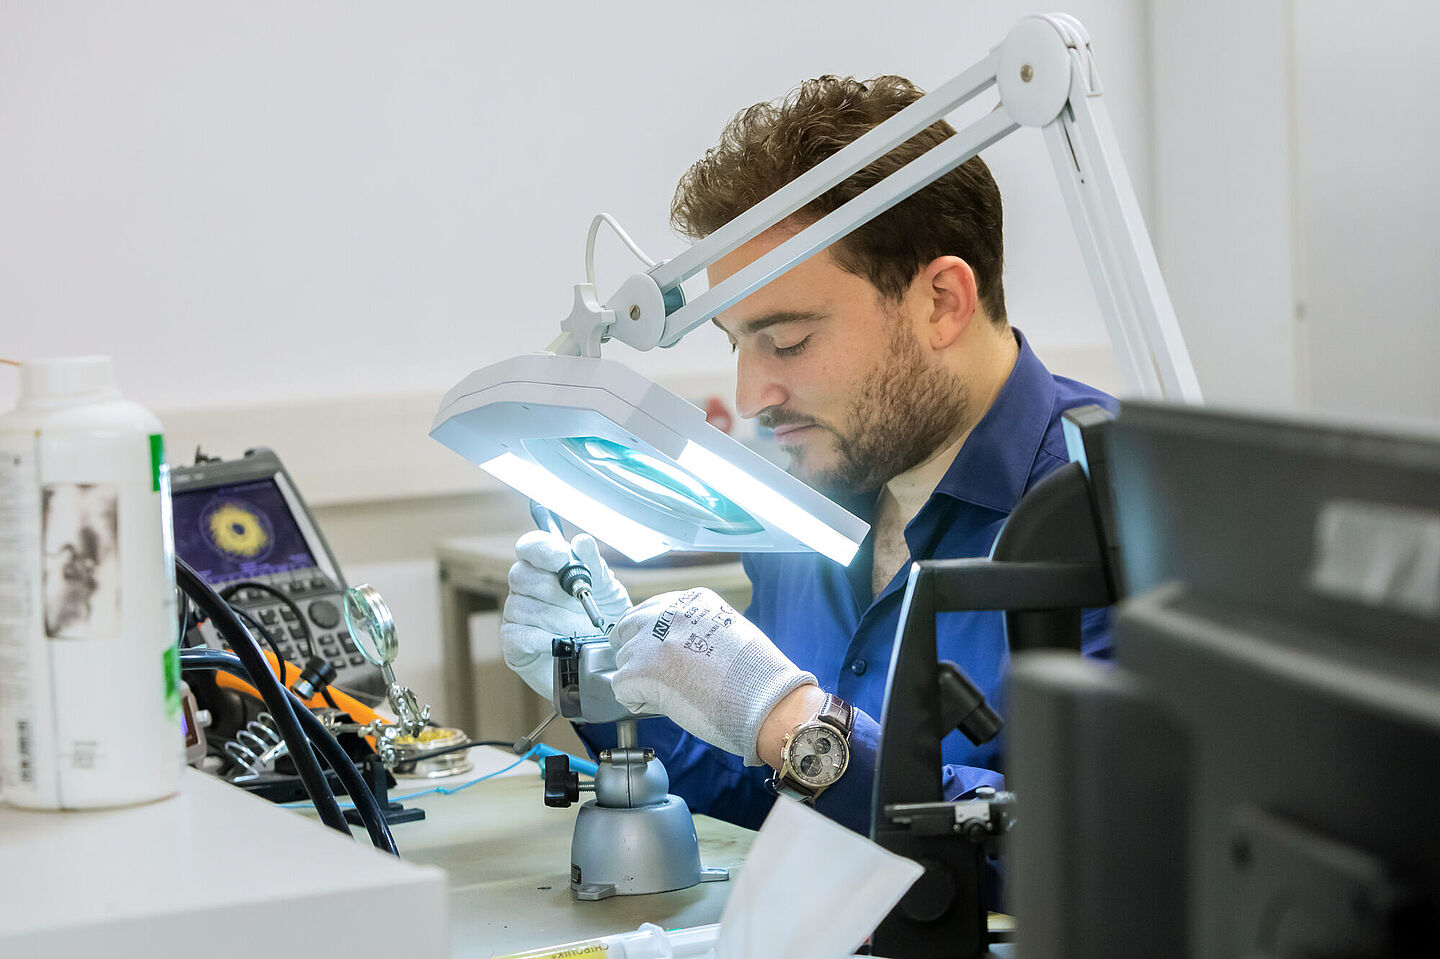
point(769, 144)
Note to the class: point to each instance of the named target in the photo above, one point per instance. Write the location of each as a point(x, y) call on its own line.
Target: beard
point(902, 412)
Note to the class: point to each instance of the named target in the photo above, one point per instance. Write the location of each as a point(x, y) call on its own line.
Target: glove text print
point(701, 625)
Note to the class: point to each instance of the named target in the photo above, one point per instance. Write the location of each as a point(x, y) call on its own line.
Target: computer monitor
point(1259, 772)
point(244, 527)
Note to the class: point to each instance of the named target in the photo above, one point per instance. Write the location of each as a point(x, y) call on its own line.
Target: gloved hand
point(691, 657)
point(538, 610)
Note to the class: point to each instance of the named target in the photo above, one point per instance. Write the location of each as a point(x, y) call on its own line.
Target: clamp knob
point(562, 787)
point(317, 674)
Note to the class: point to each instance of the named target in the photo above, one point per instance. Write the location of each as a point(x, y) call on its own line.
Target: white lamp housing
point(620, 456)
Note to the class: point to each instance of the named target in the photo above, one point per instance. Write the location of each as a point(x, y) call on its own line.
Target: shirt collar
point(912, 488)
point(993, 466)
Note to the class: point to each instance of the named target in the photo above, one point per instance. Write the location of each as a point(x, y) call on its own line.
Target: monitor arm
point(1046, 78)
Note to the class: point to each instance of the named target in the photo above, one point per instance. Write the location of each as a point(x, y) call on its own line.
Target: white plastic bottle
point(89, 663)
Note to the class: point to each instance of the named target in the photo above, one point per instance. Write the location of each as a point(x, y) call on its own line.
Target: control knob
point(562, 787)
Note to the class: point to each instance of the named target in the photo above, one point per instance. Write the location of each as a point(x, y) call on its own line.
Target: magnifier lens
point(368, 619)
point(656, 483)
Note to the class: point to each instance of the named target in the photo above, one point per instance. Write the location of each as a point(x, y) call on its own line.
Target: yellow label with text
point(578, 950)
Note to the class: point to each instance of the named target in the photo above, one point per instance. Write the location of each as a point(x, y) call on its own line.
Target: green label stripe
point(172, 681)
point(157, 460)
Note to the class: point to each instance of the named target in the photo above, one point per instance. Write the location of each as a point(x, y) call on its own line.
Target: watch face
point(818, 755)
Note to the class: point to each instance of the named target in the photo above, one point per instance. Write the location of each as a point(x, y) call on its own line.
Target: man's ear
point(949, 283)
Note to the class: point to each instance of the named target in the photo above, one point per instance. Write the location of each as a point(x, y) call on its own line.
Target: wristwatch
point(815, 754)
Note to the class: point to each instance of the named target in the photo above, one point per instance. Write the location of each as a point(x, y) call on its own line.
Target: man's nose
point(756, 388)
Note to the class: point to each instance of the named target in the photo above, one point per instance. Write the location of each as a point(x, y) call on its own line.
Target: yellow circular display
point(238, 531)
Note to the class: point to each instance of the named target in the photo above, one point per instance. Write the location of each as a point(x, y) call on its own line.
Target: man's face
point(844, 377)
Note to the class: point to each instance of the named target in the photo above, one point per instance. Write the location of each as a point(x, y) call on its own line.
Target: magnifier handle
point(546, 522)
point(544, 519)
point(574, 577)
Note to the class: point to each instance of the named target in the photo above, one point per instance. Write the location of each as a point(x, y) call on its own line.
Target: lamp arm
point(649, 309)
point(1046, 78)
point(903, 183)
point(834, 170)
point(1134, 302)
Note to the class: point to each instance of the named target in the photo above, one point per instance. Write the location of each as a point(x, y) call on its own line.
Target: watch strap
point(834, 712)
point(791, 792)
point(838, 713)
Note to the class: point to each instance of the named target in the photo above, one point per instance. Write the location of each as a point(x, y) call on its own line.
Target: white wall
point(270, 202)
point(1368, 138)
point(1296, 200)
point(1223, 220)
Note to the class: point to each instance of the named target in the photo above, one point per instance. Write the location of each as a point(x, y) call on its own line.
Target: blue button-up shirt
point(825, 619)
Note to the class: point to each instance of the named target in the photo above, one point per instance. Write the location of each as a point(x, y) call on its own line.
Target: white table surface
point(507, 856)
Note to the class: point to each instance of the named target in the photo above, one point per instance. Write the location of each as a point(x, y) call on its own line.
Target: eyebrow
point(755, 325)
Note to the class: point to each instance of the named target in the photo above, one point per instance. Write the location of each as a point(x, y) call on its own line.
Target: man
point(888, 371)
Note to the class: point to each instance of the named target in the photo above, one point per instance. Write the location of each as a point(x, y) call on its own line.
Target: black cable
point(277, 698)
point(366, 697)
point(233, 588)
point(333, 753)
point(324, 691)
point(269, 640)
point(459, 746)
point(441, 752)
point(182, 613)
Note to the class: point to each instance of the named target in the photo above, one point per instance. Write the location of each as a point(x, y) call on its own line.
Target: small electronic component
point(193, 721)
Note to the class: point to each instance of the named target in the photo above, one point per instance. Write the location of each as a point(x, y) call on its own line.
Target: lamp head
point(635, 465)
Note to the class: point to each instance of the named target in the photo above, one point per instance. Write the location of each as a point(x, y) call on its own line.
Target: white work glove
point(538, 610)
point(691, 657)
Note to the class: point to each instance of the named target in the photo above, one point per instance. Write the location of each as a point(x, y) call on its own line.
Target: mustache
point(774, 416)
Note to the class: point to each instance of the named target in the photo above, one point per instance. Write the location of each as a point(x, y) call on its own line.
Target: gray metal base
point(634, 852)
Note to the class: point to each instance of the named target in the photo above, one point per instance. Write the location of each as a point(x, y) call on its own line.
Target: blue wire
point(443, 790)
point(583, 766)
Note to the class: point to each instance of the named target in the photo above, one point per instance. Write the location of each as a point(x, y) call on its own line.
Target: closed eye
point(793, 350)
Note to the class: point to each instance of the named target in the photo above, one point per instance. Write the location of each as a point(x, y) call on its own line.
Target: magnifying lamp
point(636, 465)
point(618, 455)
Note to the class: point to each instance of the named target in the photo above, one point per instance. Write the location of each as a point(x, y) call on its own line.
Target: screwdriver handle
point(545, 520)
point(574, 576)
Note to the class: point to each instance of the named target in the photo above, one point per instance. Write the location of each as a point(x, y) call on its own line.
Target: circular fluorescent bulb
point(618, 455)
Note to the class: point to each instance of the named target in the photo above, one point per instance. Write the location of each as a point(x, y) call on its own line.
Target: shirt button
point(858, 667)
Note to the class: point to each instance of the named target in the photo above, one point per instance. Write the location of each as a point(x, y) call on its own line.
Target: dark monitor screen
point(238, 531)
point(1256, 773)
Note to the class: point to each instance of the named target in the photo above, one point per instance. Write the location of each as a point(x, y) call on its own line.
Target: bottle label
point(170, 663)
point(18, 545)
point(81, 579)
point(157, 461)
point(19, 552)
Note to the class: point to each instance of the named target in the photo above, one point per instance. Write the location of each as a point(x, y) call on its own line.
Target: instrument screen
point(240, 531)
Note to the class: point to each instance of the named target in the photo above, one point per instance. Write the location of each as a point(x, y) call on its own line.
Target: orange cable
point(353, 707)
